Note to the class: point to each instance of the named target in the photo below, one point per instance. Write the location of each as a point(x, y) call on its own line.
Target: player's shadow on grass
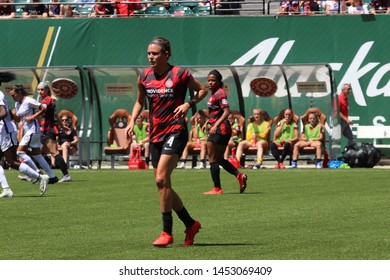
point(222, 244)
point(245, 193)
point(31, 196)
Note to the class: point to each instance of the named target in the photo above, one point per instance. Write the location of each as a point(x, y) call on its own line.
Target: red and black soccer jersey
point(47, 121)
point(216, 103)
point(165, 93)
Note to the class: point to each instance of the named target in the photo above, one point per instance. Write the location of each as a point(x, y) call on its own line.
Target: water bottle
point(254, 135)
point(115, 13)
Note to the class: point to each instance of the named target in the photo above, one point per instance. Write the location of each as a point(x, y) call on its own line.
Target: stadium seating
point(200, 10)
point(180, 11)
point(156, 10)
point(75, 4)
point(191, 4)
point(19, 8)
point(118, 143)
point(83, 11)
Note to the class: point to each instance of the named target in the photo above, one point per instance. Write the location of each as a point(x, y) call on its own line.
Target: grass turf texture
point(298, 214)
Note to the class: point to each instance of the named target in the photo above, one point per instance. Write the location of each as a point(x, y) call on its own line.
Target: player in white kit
point(28, 111)
point(9, 143)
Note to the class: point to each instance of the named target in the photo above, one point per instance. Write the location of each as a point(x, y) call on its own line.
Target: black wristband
point(192, 103)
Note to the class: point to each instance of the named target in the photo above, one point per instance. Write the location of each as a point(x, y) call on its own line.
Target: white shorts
point(31, 140)
point(8, 140)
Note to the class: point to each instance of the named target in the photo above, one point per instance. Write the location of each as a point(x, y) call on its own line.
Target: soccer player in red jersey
point(219, 134)
point(50, 131)
point(165, 86)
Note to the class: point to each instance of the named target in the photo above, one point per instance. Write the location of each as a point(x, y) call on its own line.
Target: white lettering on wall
point(355, 71)
point(372, 89)
point(379, 120)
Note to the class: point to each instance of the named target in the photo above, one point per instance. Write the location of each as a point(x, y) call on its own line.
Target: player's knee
point(160, 182)
point(20, 154)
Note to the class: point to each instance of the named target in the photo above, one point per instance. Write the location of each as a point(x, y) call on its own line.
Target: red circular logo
point(169, 83)
point(263, 87)
point(64, 88)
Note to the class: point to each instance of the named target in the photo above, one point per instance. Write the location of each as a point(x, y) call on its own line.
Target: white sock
point(27, 160)
point(3, 180)
point(27, 170)
point(43, 163)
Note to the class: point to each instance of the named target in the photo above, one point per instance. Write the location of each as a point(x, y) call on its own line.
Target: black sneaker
point(53, 180)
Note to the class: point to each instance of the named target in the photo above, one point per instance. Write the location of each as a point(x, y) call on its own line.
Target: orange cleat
point(277, 166)
point(241, 177)
point(190, 233)
point(281, 165)
point(163, 240)
point(214, 191)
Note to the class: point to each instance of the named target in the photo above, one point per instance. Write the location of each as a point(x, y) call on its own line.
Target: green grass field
point(300, 214)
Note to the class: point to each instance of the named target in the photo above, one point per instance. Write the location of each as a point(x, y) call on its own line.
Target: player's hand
point(213, 130)
point(129, 130)
point(29, 119)
point(181, 111)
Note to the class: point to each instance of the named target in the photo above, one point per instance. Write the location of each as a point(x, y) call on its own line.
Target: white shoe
point(200, 166)
point(181, 165)
point(7, 193)
point(318, 165)
point(257, 166)
point(24, 178)
point(65, 178)
point(43, 181)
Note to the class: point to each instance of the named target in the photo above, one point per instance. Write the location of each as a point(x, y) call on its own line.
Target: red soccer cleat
point(277, 166)
point(163, 240)
point(214, 191)
point(242, 181)
point(281, 165)
point(190, 233)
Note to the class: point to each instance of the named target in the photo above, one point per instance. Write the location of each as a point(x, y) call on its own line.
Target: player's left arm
point(195, 85)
